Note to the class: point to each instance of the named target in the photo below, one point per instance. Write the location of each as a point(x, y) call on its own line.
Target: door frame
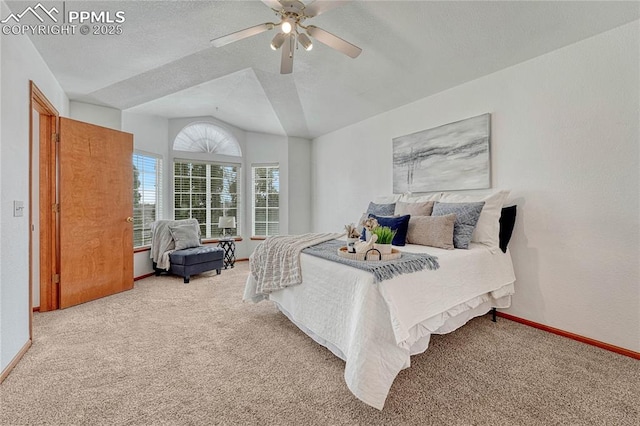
point(48, 212)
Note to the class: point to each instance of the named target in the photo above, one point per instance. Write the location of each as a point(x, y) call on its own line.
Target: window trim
point(159, 159)
point(254, 166)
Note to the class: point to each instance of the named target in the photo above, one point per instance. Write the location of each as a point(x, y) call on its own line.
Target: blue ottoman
point(196, 260)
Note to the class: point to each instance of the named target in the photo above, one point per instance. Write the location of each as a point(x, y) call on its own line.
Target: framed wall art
point(450, 157)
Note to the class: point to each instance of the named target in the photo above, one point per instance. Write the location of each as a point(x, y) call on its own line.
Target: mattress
point(375, 328)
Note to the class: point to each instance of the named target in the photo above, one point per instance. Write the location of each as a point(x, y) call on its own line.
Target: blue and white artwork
point(451, 157)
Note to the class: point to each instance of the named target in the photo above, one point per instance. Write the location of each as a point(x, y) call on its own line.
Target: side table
point(229, 247)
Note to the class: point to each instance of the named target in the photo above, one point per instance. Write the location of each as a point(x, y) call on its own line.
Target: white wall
point(20, 63)
point(565, 140)
point(300, 210)
point(150, 135)
point(96, 114)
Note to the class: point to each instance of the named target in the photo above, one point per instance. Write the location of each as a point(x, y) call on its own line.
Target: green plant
point(384, 233)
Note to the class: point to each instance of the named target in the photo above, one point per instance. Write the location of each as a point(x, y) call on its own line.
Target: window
point(147, 197)
point(266, 200)
point(207, 137)
point(206, 191)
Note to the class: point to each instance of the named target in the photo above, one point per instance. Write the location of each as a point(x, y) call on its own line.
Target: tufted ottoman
point(196, 260)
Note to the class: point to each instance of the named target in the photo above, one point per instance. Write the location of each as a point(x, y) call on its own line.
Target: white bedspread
point(376, 327)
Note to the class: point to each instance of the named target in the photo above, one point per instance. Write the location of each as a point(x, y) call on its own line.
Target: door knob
point(130, 219)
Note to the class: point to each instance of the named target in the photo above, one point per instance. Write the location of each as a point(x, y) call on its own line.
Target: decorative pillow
point(488, 228)
point(381, 209)
point(414, 209)
point(507, 222)
point(467, 215)
point(400, 224)
point(185, 236)
point(434, 231)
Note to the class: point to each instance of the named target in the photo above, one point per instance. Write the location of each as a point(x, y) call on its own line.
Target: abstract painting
point(453, 156)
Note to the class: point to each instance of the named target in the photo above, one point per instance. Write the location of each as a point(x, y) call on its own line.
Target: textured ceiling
point(164, 64)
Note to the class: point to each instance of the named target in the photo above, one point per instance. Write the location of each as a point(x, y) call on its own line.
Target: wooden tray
point(373, 255)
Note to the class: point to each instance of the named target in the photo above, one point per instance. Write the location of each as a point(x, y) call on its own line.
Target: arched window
point(207, 137)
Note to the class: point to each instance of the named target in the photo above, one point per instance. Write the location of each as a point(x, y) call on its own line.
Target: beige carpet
point(176, 354)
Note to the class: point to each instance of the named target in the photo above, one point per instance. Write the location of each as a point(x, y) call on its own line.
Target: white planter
point(383, 248)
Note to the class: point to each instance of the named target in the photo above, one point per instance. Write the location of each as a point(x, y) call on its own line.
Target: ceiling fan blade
point(286, 64)
point(318, 7)
point(334, 41)
point(273, 4)
point(239, 35)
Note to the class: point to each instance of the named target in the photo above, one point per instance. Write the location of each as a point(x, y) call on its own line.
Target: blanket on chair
point(275, 263)
point(162, 244)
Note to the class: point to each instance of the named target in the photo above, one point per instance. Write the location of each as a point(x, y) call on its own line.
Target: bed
point(376, 327)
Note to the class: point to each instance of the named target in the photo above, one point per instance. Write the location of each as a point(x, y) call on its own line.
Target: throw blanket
point(381, 270)
point(162, 243)
point(275, 264)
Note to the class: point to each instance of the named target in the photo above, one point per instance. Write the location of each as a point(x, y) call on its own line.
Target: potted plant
point(385, 237)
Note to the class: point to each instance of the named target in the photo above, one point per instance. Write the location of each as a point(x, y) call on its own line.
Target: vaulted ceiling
point(163, 62)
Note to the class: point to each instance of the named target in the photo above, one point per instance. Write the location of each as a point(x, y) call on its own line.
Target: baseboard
point(36, 309)
point(244, 259)
point(572, 336)
point(16, 359)
point(141, 277)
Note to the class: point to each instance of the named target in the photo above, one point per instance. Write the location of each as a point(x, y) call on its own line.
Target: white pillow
point(487, 230)
point(408, 197)
point(386, 199)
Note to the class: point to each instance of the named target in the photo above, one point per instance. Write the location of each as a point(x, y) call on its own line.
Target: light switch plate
point(18, 208)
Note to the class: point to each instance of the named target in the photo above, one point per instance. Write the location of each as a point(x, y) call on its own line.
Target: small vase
point(383, 248)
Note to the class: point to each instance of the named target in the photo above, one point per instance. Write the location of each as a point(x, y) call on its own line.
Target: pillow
point(381, 209)
point(400, 224)
point(434, 231)
point(488, 228)
point(414, 209)
point(409, 197)
point(507, 222)
point(387, 199)
point(467, 215)
point(185, 236)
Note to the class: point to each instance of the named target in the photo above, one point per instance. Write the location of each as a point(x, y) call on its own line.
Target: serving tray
point(372, 255)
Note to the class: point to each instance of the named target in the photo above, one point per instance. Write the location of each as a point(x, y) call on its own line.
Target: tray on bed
point(373, 253)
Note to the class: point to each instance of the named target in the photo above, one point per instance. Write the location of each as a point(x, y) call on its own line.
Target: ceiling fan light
point(305, 42)
point(277, 41)
point(287, 26)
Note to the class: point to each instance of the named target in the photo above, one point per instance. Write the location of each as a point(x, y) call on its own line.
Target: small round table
point(229, 247)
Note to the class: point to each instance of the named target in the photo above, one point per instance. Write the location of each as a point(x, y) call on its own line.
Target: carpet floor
point(166, 353)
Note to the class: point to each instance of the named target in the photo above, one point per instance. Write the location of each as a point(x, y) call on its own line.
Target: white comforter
point(376, 327)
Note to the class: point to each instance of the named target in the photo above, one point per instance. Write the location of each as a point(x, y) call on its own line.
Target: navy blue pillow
point(507, 222)
point(400, 224)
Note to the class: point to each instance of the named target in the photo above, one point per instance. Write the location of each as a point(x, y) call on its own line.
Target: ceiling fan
point(292, 14)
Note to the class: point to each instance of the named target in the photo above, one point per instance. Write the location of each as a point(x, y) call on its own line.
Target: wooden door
point(96, 209)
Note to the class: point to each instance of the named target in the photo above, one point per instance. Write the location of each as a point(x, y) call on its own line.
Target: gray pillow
point(414, 209)
point(381, 209)
point(434, 231)
point(185, 236)
point(467, 215)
